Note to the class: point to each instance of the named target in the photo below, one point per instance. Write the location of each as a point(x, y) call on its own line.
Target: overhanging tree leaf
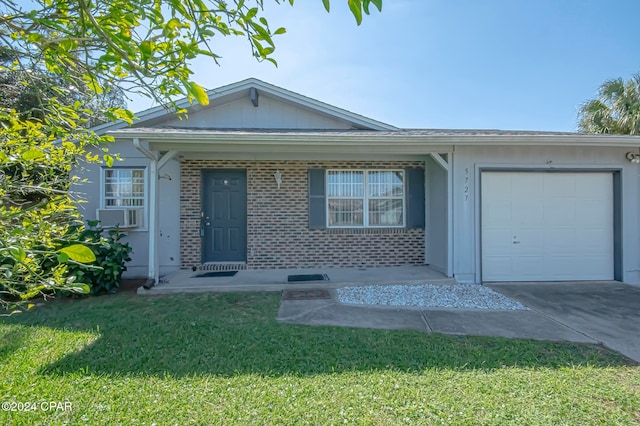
point(32, 154)
point(79, 253)
point(198, 93)
point(356, 9)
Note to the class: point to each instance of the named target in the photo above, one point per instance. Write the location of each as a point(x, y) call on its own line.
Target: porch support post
point(153, 275)
point(448, 168)
point(154, 257)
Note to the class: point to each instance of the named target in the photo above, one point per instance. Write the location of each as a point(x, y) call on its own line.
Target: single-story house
point(266, 178)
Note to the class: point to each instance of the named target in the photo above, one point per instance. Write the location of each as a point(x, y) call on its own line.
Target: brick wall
point(278, 235)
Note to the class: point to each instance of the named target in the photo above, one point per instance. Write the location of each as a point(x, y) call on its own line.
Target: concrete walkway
point(478, 322)
point(597, 312)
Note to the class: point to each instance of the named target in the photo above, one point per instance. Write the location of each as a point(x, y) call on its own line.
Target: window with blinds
point(365, 198)
point(124, 188)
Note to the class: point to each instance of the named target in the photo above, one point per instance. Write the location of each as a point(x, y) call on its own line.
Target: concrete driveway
point(608, 312)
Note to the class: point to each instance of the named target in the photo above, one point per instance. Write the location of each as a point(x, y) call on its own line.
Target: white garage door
point(540, 226)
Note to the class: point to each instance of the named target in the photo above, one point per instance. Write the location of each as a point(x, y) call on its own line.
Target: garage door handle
point(515, 241)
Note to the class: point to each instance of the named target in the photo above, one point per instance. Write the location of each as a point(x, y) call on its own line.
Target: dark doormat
point(305, 294)
point(308, 277)
point(216, 274)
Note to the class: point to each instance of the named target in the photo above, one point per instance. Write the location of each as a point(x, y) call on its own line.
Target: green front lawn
point(222, 359)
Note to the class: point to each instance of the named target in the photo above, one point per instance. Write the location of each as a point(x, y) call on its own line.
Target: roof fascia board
point(336, 149)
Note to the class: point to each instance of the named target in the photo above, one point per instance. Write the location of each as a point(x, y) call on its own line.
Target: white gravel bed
point(429, 296)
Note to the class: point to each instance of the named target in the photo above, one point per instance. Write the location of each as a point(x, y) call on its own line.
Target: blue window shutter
point(415, 197)
point(317, 199)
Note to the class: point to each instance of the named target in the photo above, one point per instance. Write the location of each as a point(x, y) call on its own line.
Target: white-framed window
point(365, 198)
point(124, 188)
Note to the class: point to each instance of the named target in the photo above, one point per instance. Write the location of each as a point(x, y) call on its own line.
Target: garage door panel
point(592, 185)
point(528, 267)
point(503, 241)
point(498, 266)
point(526, 186)
point(594, 267)
point(583, 268)
point(500, 212)
point(559, 266)
point(562, 223)
point(527, 212)
point(501, 186)
point(528, 242)
point(559, 185)
point(559, 211)
point(595, 241)
point(559, 240)
point(599, 211)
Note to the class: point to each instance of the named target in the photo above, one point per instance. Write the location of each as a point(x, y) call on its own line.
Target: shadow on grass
point(13, 340)
point(230, 334)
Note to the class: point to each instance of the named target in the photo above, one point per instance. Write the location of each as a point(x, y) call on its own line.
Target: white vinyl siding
point(365, 198)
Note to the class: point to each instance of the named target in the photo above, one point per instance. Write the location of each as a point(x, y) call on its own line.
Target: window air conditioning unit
point(123, 218)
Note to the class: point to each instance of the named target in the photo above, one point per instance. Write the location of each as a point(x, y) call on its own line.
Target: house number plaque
point(466, 184)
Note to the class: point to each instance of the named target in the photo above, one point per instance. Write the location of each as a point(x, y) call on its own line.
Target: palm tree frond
point(615, 110)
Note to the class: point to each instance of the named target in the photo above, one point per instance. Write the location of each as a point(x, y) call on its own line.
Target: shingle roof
point(319, 132)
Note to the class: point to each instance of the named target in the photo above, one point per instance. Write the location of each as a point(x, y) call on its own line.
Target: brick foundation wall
point(278, 235)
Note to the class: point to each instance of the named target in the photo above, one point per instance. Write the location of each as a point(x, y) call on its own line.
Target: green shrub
point(111, 255)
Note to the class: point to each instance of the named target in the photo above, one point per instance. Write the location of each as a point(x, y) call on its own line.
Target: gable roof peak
point(260, 87)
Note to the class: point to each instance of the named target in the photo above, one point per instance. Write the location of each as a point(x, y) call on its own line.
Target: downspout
point(153, 275)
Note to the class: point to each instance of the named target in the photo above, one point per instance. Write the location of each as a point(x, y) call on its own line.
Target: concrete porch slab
point(185, 281)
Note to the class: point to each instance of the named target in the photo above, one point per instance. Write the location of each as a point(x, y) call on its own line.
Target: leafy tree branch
point(63, 64)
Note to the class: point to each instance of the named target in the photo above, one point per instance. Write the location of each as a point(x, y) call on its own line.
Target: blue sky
point(490, 64)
